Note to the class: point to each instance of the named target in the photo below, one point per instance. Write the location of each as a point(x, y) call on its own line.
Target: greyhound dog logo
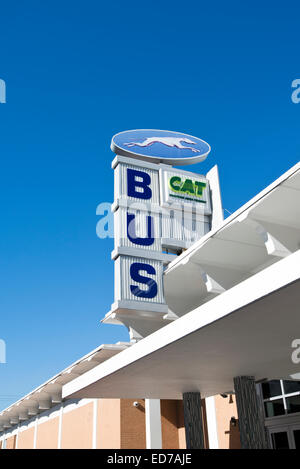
point(168, 141)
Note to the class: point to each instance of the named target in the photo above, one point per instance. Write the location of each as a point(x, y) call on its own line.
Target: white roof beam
point(54, 390)
point(44, 400)
point(273, 246)
point(170, 316)
point(14, 420)
point(212, 285)
point(195, 258)
point(32, 406)
point(23, 415)
point(6, 425)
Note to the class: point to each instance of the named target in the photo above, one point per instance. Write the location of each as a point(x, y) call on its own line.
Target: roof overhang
point(264, 230)
point(49, 394)
point(246, 330)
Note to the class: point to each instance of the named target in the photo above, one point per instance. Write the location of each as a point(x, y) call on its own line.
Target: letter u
point(131, 231)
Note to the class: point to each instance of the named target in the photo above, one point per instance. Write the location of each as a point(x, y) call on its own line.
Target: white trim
point(95, 423)
point(153, 424)
point(217, 215)
point(60, 424)
point(36, 423)
point(183, 161)
point(212, 424)
point(17, 437)
point(73, 404)
point(136, 252)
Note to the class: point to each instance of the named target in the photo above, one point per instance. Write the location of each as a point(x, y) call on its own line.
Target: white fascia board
point(261, 284)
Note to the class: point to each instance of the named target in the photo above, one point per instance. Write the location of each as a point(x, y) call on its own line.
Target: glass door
point(287, 437)
point(296, 437)
point(280, 439)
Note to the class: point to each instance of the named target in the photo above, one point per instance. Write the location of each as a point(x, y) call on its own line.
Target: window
point(271, 389)
point(281, 397)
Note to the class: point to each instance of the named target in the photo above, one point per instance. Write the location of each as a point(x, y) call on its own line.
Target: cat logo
point(187, 187)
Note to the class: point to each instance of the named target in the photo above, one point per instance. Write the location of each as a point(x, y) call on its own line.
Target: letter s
point(135, 269)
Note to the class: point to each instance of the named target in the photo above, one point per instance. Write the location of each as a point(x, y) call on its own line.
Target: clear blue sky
point(78, 72)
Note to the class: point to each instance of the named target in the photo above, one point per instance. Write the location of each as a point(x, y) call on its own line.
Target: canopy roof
point(257, 235)
point(247, 330)
point(237, 293)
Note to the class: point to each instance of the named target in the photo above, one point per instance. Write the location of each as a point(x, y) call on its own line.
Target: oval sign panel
point(160, 146)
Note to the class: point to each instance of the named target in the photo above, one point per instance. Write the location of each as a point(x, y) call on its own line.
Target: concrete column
point(95, 423)
point(251, 419)
point(211, 421)
point(36, 423)
point(17, 436)
point(60, 424)
point(193, 420)
point(153, 424)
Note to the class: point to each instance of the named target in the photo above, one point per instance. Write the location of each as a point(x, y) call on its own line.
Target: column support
point(153, 424)
point(212, 424)
point(95, 423)
point(251, 418)
point(36, 423)
point(193, 420)
point(60, 424)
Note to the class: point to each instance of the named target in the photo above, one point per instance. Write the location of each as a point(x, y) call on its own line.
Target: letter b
point(138, 184)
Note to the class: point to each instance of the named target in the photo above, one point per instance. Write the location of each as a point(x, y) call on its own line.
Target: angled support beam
point(23, 415)
point(14, 420)
point(211, 284)
point(273, 246)
point(193, 420)
point(6, 424)
point(44, 400)
point(32, 406)
point(170, 316)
